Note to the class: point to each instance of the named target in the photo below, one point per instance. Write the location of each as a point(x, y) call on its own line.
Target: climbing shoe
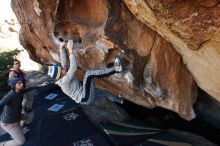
point(117, 64)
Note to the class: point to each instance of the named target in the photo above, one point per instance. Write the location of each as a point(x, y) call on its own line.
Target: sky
point(5, 10)
point(10, 40)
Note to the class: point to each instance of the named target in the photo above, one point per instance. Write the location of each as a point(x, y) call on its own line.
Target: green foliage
point(6, 59)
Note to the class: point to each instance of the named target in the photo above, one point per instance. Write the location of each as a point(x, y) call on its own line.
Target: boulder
point(167, 47)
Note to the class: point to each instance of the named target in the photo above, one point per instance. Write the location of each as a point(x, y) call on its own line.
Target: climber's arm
point(63, 56)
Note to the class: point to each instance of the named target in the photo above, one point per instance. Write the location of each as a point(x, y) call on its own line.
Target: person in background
point(16, 71)
point(11, 115)
point(82, 93)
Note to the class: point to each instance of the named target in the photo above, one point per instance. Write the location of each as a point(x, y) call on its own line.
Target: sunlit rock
point(164, 46)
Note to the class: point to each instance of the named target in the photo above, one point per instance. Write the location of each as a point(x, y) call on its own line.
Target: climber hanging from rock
point(82, 93)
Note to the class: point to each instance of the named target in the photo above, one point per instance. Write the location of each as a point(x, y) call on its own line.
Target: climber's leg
point(90, 74)
point(88, 91)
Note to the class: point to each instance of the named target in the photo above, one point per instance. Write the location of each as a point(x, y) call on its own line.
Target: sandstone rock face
point(155, 40)
point(193, 29)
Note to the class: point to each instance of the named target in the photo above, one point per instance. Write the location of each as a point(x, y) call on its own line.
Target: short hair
point(12, 63)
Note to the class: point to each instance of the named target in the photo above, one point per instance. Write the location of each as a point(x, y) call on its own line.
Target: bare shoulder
point(12, 74)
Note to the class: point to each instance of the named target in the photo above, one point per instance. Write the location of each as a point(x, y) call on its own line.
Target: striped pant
point(88, 82)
